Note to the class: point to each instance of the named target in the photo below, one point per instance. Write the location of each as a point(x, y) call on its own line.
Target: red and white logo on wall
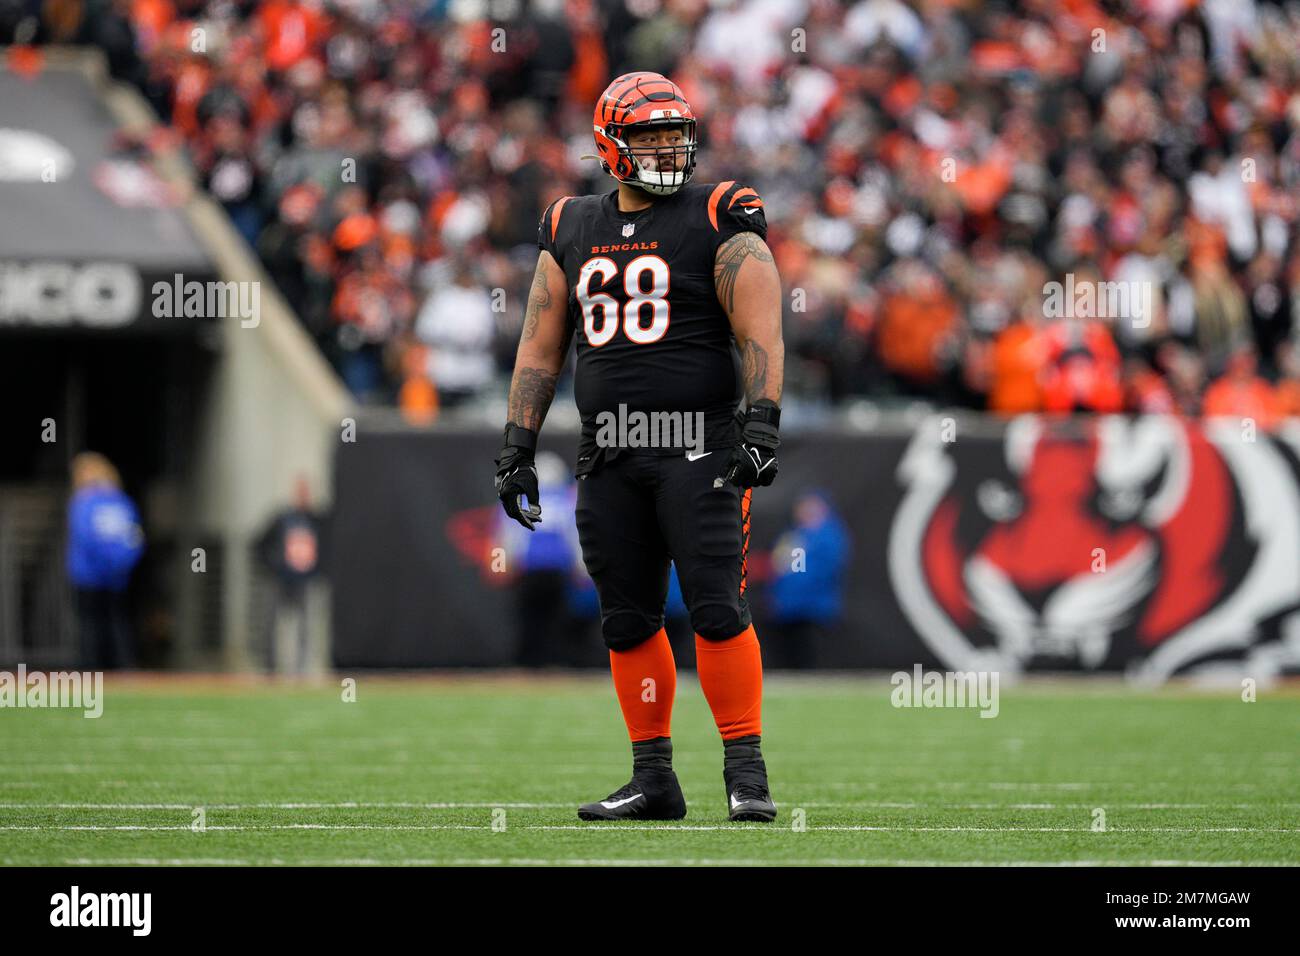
point(1155, 545)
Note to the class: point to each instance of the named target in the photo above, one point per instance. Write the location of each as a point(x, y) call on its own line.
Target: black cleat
point(750, 802)
point(745, 773)
point(657, 797)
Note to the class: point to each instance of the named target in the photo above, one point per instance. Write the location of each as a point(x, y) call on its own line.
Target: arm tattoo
point(731, 256)
point(753, 357)
point(539, 298)
point(531, 392)
point(753, 360)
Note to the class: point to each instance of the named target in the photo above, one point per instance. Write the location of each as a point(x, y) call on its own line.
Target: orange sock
point(731, 674)
point(645, 679)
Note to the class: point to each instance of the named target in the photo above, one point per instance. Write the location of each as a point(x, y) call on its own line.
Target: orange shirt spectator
point(914, 324)
point(292, 32)
point(1082, 369)
point(1251, 398)
point(193, 80)
point(417, 398)
point(1018, 356)
point(151, 19)
point(1240, 393)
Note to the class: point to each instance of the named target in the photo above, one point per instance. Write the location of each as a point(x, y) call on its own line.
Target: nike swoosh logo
point(615, 804)
point(697, 457)
point(750, 212)
point(735, 803)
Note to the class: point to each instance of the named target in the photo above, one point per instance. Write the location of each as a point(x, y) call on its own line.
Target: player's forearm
point(531, 391)
point(543, 344)
point(538, 364)
point(762, 366)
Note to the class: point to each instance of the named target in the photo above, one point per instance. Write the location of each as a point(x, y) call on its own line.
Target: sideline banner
point(1149, 546)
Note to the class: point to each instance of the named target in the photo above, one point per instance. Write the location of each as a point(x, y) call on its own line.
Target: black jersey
point(651, 334)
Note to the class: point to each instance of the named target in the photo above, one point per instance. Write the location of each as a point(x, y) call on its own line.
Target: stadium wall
point(271, 414)
point(1149, 546)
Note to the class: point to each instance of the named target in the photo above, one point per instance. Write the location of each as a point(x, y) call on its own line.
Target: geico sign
point(95, 294)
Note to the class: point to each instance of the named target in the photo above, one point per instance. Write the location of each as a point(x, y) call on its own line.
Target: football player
point(675, 302)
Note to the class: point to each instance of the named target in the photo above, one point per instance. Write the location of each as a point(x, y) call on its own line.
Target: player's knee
point(622, 632)
point(717, 622)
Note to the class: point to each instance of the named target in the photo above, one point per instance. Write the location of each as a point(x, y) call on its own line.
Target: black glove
point(517, 476)
point(753, 460)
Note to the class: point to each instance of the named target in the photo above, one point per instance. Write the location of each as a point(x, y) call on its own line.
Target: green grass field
point(489, 770)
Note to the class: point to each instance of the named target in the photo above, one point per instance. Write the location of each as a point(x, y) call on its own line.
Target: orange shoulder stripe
point(718, 192)
point(555, 215)
point(741, 194)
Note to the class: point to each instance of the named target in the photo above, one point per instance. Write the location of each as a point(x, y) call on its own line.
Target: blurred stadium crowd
point(926, 169)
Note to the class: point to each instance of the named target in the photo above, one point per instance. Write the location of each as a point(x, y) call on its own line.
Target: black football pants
point(638, 512)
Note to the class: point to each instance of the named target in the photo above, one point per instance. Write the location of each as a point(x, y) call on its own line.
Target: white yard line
point(1037, 806)
point(665, 861)
point(517, 805)
point(347, 805)
point(885, 829)
point(619, 826)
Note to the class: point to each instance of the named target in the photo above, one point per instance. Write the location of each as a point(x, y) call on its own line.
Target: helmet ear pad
point(613, 154)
